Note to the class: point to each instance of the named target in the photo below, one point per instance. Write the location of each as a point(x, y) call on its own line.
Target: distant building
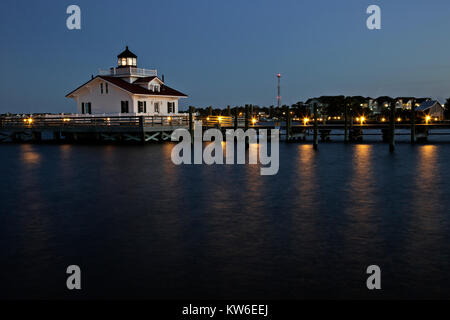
point(405, 103)
point(320, 106)
point(126, 90)
point(431, 108)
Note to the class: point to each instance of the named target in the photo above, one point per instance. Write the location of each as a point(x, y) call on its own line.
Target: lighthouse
point(126, 90)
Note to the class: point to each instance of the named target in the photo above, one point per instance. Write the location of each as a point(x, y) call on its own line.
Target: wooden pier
point(90, 128)
point(144, 129)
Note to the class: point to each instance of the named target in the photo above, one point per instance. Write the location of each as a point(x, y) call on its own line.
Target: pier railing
point(40, 122)
point(212, 121)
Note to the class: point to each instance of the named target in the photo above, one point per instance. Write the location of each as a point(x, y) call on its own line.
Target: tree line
point(330, 106)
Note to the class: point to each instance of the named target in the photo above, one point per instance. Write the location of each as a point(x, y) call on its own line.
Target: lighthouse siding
point(103, 103)
point(110, 101)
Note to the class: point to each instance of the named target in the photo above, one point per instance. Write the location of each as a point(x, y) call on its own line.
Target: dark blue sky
point(227, 52)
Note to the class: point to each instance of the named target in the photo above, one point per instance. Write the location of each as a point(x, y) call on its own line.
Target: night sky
point(227, 52)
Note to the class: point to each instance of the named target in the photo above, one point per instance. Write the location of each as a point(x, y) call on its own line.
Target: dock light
point(169, 118)
point(399, 119)
point(207, 118)
point(28, 120)
point(66, 119)
point(253, 120)
point(383, 119)
point(427, 119)
point(357, 119)
point(436, 119)
point(305, 121)
point(362, 120)
point(219, 118)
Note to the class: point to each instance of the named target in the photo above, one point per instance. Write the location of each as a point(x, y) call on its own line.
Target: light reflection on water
point(165, 231)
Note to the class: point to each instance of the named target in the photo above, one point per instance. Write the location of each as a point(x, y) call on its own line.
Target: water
point(141, 227)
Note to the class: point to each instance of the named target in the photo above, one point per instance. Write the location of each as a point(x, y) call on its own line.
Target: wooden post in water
point(392, 127)
point(346, 123)
point(142, 128)
point(316, 127)
point(288, 124)
point(191, 123)
point(236, 115)
point(413, 121)
point(246, 117)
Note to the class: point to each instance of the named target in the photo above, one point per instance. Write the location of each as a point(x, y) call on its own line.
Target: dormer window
point(127, 59)
point(153, 87)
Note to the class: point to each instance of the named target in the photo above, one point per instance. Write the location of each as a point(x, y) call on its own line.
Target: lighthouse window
point(170, 107)
point(124, 61)
point(156, 107)
point(86, 108)
point(142, 106)
point(124, 106)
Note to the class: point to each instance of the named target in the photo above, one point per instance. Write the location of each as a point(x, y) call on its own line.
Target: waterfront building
point(126, 90)
point(432, 108)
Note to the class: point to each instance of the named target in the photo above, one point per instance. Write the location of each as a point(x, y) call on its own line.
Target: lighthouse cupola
point(126, 59)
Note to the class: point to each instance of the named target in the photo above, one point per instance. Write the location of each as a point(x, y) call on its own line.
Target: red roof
point(135, 88)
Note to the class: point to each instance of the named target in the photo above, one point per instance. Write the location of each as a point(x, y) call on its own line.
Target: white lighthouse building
point(126, 90)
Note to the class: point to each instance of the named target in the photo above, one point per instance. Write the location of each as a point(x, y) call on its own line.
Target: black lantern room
point(126, 59)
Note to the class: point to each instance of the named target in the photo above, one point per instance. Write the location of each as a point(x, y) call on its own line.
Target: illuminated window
point(130, 61)
point(124, 61)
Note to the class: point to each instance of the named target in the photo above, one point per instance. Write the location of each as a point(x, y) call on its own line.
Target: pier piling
point(413, 121)
point(316, 127)
point(246, 117)
point(346, 124)
point(392, 127)
point(191, 124)
point(142, 128)
point(288, 124)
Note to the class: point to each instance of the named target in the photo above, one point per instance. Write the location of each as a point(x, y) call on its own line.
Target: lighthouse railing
point(132, 71)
